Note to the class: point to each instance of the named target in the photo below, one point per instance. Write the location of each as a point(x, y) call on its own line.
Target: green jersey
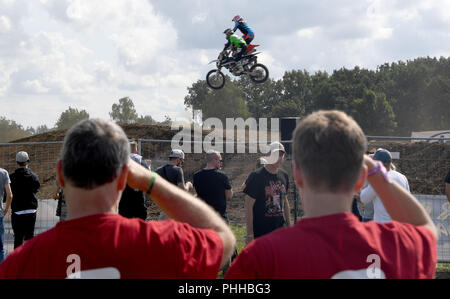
point(237, 41)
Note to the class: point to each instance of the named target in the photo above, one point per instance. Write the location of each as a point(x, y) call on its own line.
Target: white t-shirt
point(4, 180)
point(368, 194)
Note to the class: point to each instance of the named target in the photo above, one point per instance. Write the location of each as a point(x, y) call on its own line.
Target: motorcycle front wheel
point(215, 79)
point(259, 73)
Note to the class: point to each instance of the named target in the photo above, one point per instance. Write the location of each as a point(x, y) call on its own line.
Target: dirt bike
point(247, 65)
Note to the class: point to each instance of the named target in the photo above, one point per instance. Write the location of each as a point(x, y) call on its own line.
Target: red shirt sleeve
point(191, 252)
point(426, 249)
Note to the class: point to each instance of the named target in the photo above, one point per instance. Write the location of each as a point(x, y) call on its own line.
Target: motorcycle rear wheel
point(215, 79)
point(259, 73)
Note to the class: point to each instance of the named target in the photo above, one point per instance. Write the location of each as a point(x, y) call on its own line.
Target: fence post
point(139, 144)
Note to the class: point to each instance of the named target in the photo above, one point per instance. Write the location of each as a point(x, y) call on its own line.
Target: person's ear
point(362, 179)
point(59, 174)
point(298, 175)
point(122, 179)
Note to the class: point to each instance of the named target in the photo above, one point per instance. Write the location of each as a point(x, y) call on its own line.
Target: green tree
point(226, 103)
point(260, 97)
point(41, 129)
point(10, 130)
point(166, 122)
point(296, 94)
point(146, 120)
point(70, 117)
point(197, 95)
point(374, 114)
point(124, 112)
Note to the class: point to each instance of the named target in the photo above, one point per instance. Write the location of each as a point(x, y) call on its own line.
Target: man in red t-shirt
point(329, 166)
point(96, 242)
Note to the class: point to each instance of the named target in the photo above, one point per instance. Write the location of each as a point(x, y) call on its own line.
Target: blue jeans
point(2, 239)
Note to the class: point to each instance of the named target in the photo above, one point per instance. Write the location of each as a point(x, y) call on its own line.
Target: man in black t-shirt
point(173, 173)
point(266, 203)
point(213, 185)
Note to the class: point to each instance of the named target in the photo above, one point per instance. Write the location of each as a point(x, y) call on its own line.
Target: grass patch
point(240, 231)
point(443, 271)
point(443, 267)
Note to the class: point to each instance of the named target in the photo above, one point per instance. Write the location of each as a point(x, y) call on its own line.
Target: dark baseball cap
point(383, 155)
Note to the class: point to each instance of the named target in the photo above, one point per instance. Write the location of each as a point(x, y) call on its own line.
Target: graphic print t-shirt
point(269, 191)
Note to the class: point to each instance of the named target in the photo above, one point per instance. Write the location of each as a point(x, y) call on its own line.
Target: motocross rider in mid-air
point(240, 24)
point(237, 44)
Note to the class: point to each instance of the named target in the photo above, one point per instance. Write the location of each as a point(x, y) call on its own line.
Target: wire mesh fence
point(424, 163)
point(43, 157)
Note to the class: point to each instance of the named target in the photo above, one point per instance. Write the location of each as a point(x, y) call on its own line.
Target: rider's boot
point(240, 68)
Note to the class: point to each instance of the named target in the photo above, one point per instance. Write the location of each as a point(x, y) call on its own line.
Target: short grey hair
point(211, 154)
point(93, 153)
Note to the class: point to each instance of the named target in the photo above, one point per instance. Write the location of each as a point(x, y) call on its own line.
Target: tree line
point(122, 112)
point(395, 99)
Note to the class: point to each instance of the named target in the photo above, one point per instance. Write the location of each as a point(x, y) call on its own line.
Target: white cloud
point(199, 19)
point(51, 63)
point(88, 54)
point(5, 24)
point(308, 32)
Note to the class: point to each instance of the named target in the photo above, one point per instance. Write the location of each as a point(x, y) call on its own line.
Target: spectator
point(260, 162)
point(366, 210)
point(329, 165)
point(132, 202)
point(266, 204)
point(95, 241)
point(368, 194)
point(61, 208)
point(355, 209)
point(24, 185)
point(447, 186)
point(5, 186)
point(173, 172)
point(212, 185)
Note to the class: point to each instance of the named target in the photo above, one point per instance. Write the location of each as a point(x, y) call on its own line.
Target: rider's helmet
point(228, 32)
point(237, 18)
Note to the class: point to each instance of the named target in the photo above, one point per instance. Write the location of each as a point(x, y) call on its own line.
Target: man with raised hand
point(96, 242)
point(368, 194)
point(329, 166)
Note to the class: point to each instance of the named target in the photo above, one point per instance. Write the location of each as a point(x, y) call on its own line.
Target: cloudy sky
point(88, 54)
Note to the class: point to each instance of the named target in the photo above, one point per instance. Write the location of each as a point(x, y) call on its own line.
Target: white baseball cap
point(176, 153)
point(276, 146)
point(22, 157)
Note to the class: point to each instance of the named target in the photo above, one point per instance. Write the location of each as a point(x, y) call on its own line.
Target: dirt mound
point(132, 131)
